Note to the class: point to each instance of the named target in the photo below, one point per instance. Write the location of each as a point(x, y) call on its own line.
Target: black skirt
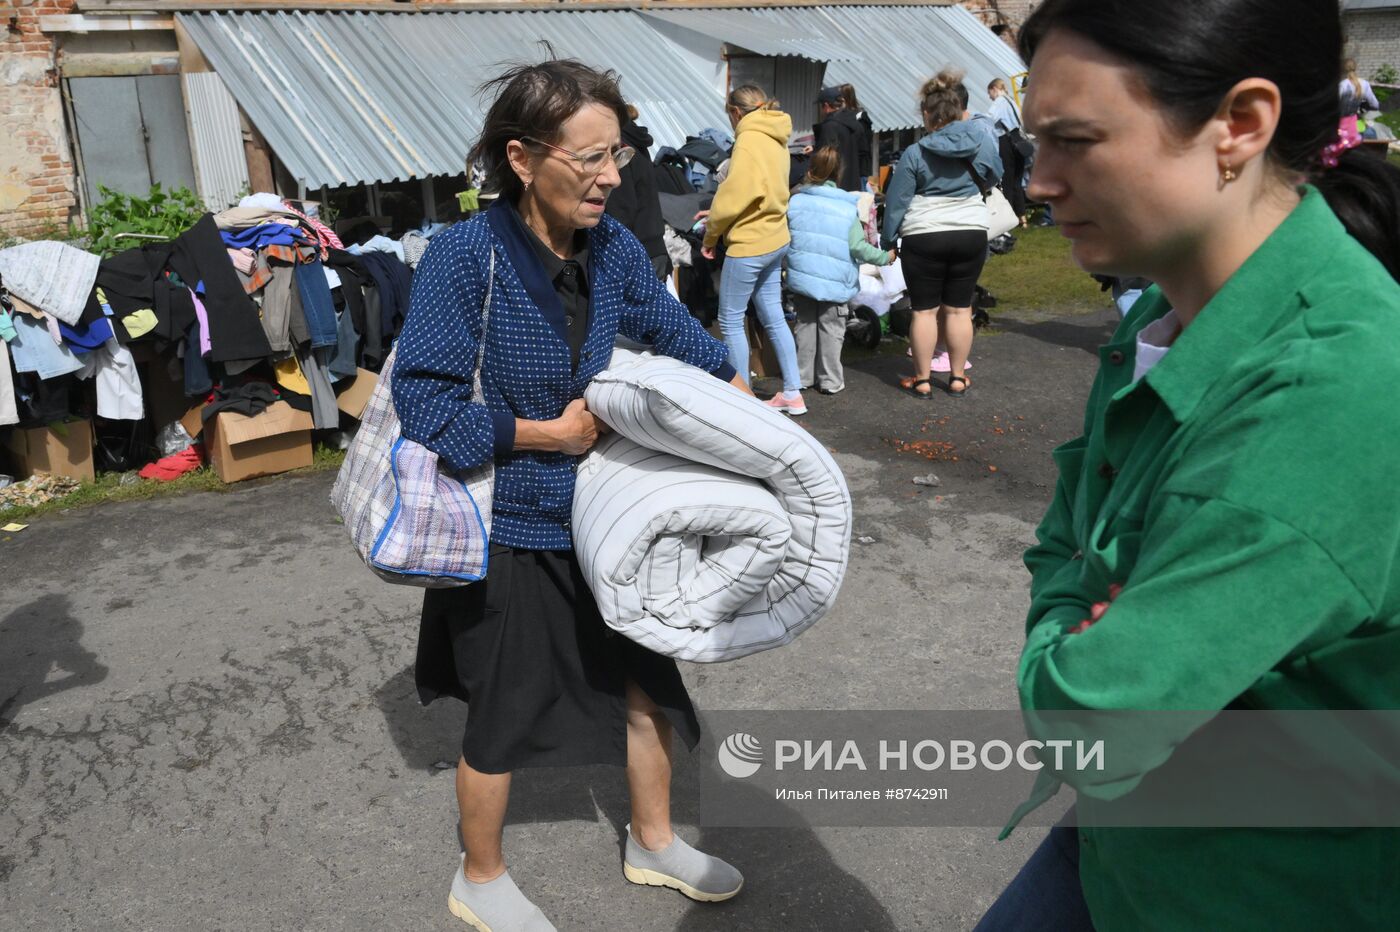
point(543, 676)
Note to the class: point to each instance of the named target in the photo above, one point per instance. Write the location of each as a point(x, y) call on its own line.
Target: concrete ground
point(208, 721)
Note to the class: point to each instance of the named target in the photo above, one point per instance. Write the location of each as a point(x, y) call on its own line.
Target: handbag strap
point(977, 179)
point(479, 395)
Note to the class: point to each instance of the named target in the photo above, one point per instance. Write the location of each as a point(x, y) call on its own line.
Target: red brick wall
point(37, 180)
point(1012, 13)
point(1373, 39)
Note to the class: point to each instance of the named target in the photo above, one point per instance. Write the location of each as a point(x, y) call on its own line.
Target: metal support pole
point(429, 200)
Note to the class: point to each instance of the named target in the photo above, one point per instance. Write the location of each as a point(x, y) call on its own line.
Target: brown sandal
point(911, 385)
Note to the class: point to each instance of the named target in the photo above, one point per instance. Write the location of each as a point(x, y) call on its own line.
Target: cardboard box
point(763, 361)
point(276, 440)
point(59, 449)
point(353, 399)
point(193, 421)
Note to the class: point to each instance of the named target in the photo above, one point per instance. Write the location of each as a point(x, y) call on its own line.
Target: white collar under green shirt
point(1153, 342)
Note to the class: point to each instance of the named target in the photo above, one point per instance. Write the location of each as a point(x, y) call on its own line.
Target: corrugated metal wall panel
point(901, 47)
point(796, 83)
point(740, 28)
point(216, 141)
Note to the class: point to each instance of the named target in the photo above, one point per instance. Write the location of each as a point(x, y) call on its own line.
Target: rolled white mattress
point(710, 526)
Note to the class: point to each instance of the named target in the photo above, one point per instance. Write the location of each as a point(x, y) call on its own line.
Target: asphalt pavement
point(208, 721)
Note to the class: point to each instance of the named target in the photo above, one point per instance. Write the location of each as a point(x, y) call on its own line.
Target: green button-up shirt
point(1245, 495)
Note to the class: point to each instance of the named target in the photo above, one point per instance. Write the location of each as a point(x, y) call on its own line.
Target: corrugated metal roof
point(902, 47)
point(349, 98)
point(755, 34)
point(216, 141)
point(1369, 6)
point(345, 98)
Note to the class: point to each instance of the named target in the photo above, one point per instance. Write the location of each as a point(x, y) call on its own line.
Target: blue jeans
point(1045, 896)
point(759, 277)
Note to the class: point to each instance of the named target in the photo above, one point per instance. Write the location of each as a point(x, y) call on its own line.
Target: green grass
point(1038, 276)
point(108, 487)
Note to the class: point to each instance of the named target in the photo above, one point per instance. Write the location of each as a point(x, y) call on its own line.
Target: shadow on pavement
point(423, 736)
point(34, 639)
point(791, 881)
point(1085, 333)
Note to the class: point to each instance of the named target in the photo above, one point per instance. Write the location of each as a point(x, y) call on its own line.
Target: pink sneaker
point(940, 363)
point(795, 408)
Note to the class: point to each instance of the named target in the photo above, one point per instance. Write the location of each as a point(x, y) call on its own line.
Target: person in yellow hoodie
point(749, 214)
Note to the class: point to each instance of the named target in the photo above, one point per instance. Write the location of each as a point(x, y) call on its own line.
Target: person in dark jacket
point(636, 202)
point(866, 142)
point(840, 130)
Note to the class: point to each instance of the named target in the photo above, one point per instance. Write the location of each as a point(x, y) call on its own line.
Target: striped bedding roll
point(709, 526)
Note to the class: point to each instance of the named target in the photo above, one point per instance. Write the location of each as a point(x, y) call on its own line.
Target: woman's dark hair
point(940, 100)
point(825, 165)
point(536, 101)
point(848, 96)
point(964, 96)
point(1190, 53)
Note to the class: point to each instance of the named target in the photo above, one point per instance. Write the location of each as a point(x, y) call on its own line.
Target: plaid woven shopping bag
point(412, 520)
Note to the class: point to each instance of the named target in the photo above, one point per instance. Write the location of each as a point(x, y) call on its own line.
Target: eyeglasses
point(592, 162)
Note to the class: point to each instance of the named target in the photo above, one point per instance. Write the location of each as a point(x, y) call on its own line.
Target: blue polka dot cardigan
point(527, 371)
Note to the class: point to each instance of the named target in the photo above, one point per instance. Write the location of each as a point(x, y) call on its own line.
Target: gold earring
point(1228, 175)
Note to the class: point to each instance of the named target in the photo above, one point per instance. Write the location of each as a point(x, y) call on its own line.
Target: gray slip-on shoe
point(680, 867)
point(495, 906)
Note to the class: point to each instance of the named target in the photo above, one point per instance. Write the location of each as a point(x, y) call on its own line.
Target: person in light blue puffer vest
point(823, 271)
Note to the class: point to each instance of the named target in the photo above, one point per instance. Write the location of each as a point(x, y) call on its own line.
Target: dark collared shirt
point(570, 280)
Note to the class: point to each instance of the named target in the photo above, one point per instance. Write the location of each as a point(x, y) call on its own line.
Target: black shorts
point(942, 268)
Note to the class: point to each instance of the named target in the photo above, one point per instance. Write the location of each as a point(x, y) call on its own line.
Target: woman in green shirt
point(1226, 533)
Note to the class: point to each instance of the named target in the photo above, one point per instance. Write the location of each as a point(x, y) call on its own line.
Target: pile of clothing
point(260, 301)
point(56, 328)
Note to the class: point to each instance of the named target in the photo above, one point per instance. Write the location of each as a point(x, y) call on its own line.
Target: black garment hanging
point(373, 344)
point(392, 278)
point(235, 332)
point(353, 280)
point(44, 401)
point(135, 280)
point(671, 174)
